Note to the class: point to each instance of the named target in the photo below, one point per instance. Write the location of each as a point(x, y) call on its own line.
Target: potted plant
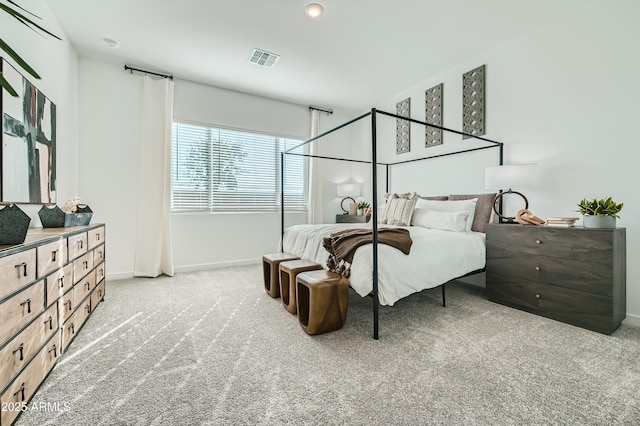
point(599, 213)
point(363, 206)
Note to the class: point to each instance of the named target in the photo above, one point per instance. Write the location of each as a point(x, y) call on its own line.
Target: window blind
point(218, 169)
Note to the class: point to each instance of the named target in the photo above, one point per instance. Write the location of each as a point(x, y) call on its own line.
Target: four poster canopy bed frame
point(373, 114)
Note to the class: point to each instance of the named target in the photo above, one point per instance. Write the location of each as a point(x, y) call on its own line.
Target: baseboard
point(633, 320)
point(190, 268)
point(217, 265)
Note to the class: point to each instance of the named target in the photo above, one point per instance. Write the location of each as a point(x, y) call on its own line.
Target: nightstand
point(352, 218)
point(574, 275)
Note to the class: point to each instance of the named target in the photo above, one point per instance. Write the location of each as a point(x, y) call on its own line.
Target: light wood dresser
point(575, 275)
point(49, 285)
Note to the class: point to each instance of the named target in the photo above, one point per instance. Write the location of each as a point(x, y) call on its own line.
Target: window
point(217, 169)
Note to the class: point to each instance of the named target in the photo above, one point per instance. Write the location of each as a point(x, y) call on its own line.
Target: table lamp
point(511, 176)
point(348, 191)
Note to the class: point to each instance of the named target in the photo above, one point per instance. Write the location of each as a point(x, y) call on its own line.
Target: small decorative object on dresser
point(574, 275)
point(14, 224)
point(76, 213)
point(600, 213)
point(51, 216)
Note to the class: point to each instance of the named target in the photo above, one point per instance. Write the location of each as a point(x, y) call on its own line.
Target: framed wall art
point(403, 127)
point(473, 96)
point(28, 142)
point(433, 115)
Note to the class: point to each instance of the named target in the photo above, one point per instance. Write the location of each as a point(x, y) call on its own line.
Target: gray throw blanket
point(342, 245)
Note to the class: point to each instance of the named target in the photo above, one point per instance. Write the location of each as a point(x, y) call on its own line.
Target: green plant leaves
point(601, 207)
point(12, 54)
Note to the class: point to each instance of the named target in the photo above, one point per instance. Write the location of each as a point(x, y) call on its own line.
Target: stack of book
point(561, 221)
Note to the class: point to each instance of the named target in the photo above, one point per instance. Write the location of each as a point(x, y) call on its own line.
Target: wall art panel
point(433, 115)
point(473, 96)
point(28, 142)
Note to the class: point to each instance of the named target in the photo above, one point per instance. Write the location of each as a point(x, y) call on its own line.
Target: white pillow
point(448, 206)
point(446, 221)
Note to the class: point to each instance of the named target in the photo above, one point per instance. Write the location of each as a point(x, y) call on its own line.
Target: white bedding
point(435, 258)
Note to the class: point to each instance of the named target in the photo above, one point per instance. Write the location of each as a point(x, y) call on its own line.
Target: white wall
point(56, 62)
point(564, 97)
point(110, 102)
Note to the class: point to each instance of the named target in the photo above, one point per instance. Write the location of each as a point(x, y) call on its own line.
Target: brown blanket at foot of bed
point(342, 245)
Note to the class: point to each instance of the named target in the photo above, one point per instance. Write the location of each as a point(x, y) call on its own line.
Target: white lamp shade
point(513, 176)
point(348, 190)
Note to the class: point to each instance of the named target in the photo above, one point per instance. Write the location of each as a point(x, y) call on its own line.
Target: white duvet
point(435, 258)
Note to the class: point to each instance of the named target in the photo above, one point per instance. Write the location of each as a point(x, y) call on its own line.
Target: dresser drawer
point(95, 237)
point(97, 295)
point(19, 351)
point(82, 266)
point(51, 256)
point(590, 277)
point(66, 305)
point(84, 287)
point(27, 382)
point(591, 311)
point(58, 283)
point(75, 322)
point(78, 245)
point(99, 272)
point(98, 254)
point(575, 243)
point(19, 310)
point(16, 271)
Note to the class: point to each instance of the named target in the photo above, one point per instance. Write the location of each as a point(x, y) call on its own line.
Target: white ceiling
point(356, 54)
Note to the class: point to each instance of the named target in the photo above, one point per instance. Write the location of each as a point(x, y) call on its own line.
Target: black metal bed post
point(386, 186)
point(282, 202)
point(374, 219)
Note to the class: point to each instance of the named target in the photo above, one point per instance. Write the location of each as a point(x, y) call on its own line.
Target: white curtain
point(315, 180)
point(154, 254)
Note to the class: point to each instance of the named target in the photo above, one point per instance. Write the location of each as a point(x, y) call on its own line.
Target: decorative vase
point(593, 221)
point(51, 217)
point(14, 224)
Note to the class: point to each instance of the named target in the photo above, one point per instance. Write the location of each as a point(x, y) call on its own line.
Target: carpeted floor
point(213, 348)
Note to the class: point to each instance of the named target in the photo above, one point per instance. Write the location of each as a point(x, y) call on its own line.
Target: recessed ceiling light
point(314, 10)
point(111, 43)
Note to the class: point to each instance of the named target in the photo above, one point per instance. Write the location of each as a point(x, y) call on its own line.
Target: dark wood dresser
point(575, 275)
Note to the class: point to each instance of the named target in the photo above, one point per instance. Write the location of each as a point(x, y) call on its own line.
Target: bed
point(437, 256)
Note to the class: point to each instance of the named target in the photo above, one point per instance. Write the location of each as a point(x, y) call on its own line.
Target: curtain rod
point(327, 111)
point(131, 69)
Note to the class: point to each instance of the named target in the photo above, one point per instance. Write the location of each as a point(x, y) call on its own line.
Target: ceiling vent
point(263, 58)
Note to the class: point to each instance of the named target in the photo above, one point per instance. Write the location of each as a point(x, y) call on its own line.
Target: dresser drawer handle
point(85, 264)
point(54, 350)
point(88, 285)
point(538, 242)
point(537, 268)
point(28, 303)
point(100, 293)
point(20, 349)
point(53, 255)
point(24, 266)
point(20, 391)
point(61, 281)
point(68, 303)
point(99, 254)
point(50, 321)
point(72, 328)
point(80, 244)
point(97, 236)
point(538, 296)
point(87, 308)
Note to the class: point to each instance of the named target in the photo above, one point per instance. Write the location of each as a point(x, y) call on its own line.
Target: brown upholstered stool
point(289, 270)
point(270, 270)
point(323, 297)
